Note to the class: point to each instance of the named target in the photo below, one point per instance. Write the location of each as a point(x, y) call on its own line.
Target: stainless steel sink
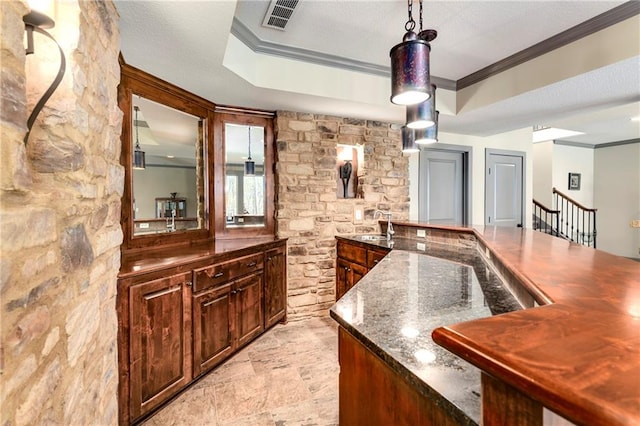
point(372, 237)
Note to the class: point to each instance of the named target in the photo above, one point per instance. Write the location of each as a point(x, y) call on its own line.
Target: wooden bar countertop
point(579, 354)
point(146, 261)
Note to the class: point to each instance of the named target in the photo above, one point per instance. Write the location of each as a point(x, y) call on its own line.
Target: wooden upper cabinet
point(244, 201)
point(160, 341)
point(223, 200)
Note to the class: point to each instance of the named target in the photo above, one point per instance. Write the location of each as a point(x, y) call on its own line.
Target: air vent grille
point(279, 13)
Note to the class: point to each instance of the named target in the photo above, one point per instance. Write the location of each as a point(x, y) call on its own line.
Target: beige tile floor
point(288, 376)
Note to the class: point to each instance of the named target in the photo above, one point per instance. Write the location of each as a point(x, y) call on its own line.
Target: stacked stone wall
point(60, 219)
point(308, 210)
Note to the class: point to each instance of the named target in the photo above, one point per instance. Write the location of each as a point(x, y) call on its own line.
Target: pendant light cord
point(249, 143)
point(137, 141)
point(411, 24)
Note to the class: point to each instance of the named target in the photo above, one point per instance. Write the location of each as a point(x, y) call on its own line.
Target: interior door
point(504, 183)
point(441, 199)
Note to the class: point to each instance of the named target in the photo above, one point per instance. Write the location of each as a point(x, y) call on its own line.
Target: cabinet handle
point(240, 290)
point(269, 259)
point(218, 275)
point(376, 261)
point(189, 283)
point(252, 264)
point(233, 292)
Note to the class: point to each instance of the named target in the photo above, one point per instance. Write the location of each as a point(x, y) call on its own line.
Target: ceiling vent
point(279, 13)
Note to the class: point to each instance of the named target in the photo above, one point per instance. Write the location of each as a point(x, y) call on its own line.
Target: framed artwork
point(574, 181)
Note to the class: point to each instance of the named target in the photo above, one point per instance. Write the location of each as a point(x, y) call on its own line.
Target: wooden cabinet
point(275, 295)
point(353, 262)
point(178, 322)
point(212, 319)
point(160, 341)
point(249, 319)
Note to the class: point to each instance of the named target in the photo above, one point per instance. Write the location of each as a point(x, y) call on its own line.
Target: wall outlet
point(635, 224)
point(240, 219)
point(357, 215)
point(144, 226)
point(421, 233)
point(421, 246)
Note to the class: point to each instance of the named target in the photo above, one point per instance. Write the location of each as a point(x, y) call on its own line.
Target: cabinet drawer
point(373, 257)
point(220, 273)
point(352, 253)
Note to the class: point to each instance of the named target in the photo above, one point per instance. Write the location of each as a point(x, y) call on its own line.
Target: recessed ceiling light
point(551, 133)
point(171, 156)
point(636, 118)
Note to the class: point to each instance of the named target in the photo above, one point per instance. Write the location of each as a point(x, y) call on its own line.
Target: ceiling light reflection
point(410, 332)
point(425, 356)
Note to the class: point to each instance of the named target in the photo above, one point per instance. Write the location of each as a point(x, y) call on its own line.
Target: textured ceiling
point(189, 44)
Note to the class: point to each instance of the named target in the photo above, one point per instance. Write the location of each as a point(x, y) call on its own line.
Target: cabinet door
point(212, 317)
point(275, 297)
point(248, 306)
point(342, 277)
point(357, 272)
point(159, 341)
point(347, 275)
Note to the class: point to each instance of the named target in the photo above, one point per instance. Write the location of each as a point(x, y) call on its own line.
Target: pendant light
point(249, 165)
point(410, 76)
point(139, 162)
point(408, 141)
point(423, 115)
point(429, 135)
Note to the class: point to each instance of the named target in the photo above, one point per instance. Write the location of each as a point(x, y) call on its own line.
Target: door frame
point(523, 155)
point(467, 162)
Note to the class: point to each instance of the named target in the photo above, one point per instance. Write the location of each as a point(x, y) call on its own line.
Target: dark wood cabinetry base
point(179, 318)
point(372, 394)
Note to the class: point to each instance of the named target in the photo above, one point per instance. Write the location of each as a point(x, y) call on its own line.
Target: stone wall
point(59, 219)
point(308, 211)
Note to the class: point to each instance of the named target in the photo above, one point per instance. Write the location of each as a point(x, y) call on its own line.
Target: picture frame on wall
point(574, 181)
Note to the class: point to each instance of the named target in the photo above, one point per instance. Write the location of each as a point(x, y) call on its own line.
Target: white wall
point(155, 182)
point(573, 159)
point(543, 173)
point(517, 140)
point(617, 198)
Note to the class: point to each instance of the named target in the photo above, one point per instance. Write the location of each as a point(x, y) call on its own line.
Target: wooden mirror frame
point(135, 81)
point(249, 118)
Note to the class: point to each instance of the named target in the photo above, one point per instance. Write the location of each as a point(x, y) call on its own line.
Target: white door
point(504, 183)
point(441, 186)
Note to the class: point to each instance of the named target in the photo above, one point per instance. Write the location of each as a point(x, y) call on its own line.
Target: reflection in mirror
point(166, 192)
point(244, 175)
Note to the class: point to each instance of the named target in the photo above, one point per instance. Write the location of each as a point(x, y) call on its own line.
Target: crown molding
point(244, 34)
point(593, 25)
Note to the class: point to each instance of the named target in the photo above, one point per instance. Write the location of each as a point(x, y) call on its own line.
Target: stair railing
point(545, 219)
point(576, 222)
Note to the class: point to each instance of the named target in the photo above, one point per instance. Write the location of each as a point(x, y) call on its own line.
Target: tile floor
point(288, 376)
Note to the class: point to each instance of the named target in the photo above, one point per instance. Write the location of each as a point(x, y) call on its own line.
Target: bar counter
point(579, 354)
point(575, 350)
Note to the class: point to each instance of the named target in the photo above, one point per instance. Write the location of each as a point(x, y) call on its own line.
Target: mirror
point(168, 188)
point(244, 175)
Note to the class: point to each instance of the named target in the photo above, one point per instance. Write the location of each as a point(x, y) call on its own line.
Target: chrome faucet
point(390, 231)
point(171, 224)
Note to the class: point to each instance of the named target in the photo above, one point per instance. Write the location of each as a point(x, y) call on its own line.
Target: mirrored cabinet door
point(244, 175)
point(167, 136)
point(166, 142)
point(244, 205)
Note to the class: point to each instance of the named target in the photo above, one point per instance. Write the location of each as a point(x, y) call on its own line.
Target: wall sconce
point(345, 176)
point(38, 21)
point(346, 168)
point(410, 75)
point(139, 162)
point(249, 165)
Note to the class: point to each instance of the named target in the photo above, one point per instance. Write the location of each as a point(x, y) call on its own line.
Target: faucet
point(390, 231)
point(171, 225)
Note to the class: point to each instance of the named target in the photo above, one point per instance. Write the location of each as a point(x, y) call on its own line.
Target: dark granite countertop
point(416, 288)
